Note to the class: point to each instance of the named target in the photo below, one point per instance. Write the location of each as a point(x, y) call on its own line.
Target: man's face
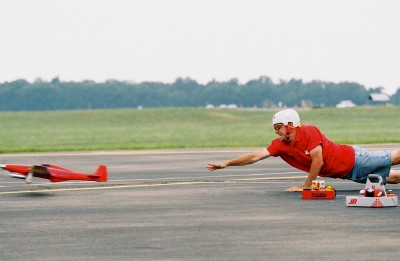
point(280, 130)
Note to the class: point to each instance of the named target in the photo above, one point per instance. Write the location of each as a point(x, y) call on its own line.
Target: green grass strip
point(183, 128)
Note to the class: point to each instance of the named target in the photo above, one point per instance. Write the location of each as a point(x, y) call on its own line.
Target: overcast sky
point(161, 40)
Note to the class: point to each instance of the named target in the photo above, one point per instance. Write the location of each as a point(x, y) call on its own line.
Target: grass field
point(183, 128)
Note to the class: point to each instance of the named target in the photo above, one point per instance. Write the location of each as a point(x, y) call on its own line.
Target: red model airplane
point(53, 173)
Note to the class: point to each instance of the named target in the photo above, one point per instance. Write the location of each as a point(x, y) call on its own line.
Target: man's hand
point(214, 166)
point(248, 158)
point(316, 165)
point(295, 189)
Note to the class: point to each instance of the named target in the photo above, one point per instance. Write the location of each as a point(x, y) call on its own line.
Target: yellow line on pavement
point(106, 187)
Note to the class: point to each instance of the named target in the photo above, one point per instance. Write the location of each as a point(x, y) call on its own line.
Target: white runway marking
point(105, 186)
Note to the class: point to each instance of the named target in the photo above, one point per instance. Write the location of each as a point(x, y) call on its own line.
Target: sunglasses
point(278, 126)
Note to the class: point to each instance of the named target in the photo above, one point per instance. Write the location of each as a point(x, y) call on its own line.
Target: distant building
point(230, 106)
point(379, 99)
point(345, 104)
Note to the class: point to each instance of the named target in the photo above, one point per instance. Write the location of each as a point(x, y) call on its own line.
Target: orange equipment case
point(318, 194)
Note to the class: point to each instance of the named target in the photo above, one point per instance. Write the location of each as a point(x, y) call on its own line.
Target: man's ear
point(290, 124)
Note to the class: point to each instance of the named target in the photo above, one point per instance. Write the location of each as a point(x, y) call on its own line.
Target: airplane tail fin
point(101, 174)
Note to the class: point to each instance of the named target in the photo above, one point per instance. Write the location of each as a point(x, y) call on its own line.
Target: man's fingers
point(212, 167)
point(294, 189)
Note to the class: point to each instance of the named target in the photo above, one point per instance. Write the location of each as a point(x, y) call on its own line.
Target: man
point(306, 148)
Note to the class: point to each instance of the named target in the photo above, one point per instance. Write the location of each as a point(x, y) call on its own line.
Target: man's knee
point(396, 157)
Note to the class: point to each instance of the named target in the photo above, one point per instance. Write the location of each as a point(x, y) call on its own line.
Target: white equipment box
point(374, 195)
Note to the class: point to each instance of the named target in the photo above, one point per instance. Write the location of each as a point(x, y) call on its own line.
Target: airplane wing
point(56, 174)
point(52, 172)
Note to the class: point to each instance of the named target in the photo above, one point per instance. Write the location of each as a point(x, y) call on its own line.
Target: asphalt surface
point(165, 205)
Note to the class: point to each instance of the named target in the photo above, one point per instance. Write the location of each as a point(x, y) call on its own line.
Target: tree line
point(21, 95)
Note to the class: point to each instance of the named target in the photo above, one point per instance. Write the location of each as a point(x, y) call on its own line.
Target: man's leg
point(396, 157)
point(394, 175)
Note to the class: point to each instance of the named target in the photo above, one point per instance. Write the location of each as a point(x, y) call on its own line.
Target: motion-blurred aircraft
point(53, 173)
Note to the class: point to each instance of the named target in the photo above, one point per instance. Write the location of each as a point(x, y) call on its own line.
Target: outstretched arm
point(316, 165)
point(245, 159)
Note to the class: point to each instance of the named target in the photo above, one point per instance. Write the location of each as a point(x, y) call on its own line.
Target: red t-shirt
point(338, 159)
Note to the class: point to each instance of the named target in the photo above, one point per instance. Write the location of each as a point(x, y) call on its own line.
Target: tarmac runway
point(165, 205)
